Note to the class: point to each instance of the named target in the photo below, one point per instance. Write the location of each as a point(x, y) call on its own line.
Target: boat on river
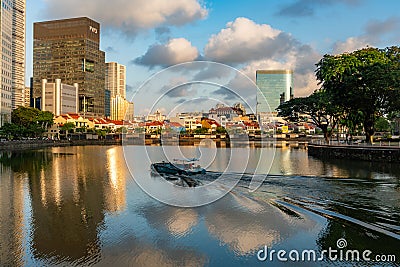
point(178, 167)
point(179, 172)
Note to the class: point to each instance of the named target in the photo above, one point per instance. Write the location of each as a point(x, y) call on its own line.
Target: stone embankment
point(366, 153)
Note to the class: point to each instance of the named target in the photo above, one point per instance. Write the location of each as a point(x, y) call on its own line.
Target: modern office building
point(27, 96)
point(69, 49)
point(12, 50)
point(107, 103)
point(121, 109)
point(116, 79)
point(59, 98)
point(275, 87)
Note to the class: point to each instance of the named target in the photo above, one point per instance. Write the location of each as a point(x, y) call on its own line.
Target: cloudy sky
point(150, 36)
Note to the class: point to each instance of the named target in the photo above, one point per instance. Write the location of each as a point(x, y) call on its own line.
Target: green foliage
point(27, 122)
point(67, 127)
point(10, 131)
point(122, 130)
point(319, 106)
point(365, 81)
point(201, 130)
point(220, 130)
point(382, 125)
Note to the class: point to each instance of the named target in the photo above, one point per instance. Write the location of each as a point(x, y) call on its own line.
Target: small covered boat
point(178, 167)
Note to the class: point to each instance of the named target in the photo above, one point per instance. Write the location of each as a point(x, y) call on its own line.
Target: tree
point(365, 81)
point(352, 121)
point(31, 121)
point(318, 106)
point(67, 127)
point(382, 125)
point(201, 130)
point(220, 130)
point(10, 131)
point(122, 130)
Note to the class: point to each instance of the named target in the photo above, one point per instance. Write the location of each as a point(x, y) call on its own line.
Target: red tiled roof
point(251, 123)
point(211, 122)
point(174, 124)
point(154, 123)
point(74, 115)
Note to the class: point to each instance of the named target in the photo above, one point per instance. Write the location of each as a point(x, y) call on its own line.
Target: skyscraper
point(12, 50)
point(275, 87)
point(69, 49)
point(120, 108)
point(116, 79)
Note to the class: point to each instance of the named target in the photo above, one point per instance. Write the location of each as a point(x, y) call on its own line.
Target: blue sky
point(148, 36)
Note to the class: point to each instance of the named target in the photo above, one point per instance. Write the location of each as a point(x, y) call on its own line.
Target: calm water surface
point(81, 206)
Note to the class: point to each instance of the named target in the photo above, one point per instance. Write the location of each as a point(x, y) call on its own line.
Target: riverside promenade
point(373, 153)
point(37, 144)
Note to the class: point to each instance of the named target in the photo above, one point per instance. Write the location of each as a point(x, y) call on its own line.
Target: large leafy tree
point(365, 81)
point(29, 122)
point(318, 106)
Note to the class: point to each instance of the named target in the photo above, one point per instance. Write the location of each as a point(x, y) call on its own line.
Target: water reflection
point(67, 206)
point(11, 217)
point(79, 206)
point(116, 185)
point(244, 226)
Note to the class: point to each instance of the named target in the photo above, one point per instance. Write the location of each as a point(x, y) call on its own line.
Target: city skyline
point(258, 35)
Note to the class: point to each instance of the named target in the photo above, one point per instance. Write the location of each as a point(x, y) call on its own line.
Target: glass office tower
point(69, 50)
point(275, 87)
point(12, 50)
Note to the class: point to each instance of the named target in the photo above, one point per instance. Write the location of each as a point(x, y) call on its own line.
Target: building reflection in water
point(69, 201)
point(115, 195)
point(11, 217)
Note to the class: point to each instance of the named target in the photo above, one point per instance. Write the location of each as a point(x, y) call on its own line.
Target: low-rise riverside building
point(210, 124)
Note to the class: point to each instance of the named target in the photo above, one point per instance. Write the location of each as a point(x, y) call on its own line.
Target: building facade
point(121, 109)
point(116, 79)
point(107, 103)
point(59, 98)
point(27, 96)
point(12, 50)
point(275, 87)
point(69, 50)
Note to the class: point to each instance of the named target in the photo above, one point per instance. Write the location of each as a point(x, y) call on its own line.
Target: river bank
point(35, 144)
point(355, 152)
point(225, 142)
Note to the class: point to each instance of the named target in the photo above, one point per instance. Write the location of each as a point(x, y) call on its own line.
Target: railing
point(357, 143)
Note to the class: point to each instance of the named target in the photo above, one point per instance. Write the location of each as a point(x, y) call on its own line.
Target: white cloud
point(244, 40)
point(259, 46)
point(175, 51)
point(351, 44)
point(376, 33)
point(130, 16)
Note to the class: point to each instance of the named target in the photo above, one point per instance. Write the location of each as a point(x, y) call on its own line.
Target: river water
point(81, 206)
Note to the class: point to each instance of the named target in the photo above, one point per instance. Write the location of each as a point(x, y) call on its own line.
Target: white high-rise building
point(59, 98)
point(116, 79)
point(120, 108)
point(12, 50)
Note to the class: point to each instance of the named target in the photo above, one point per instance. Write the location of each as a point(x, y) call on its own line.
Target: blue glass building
point(275, 87)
